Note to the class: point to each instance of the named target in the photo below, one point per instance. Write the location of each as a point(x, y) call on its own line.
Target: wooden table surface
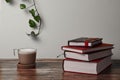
point(51, 69)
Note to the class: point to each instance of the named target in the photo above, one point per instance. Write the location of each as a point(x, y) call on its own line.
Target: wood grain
point(51, 69)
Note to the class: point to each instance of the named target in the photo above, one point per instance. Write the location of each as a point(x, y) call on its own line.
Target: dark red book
point(87, 49)
point(92, 67)
point(85, 41)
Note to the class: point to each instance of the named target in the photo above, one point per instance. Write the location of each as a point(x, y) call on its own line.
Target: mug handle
point(14, 51)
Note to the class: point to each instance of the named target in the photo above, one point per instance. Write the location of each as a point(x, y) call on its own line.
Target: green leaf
point(32, 23)
point(32, 11)
point(37, 18)
point(8, 1)
point(22, 6)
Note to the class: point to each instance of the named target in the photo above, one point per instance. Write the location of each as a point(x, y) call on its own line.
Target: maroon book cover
point(80, 49)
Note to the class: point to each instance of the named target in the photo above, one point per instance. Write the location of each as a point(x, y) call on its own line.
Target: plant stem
point(38, 15)
point(30, 6)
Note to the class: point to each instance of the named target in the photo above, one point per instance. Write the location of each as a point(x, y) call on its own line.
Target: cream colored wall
point(62, 20)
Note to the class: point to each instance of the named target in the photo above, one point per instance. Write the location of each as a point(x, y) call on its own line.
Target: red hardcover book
point(92, 67)
point(87, 49)
point(85, 41)
point(88, 57)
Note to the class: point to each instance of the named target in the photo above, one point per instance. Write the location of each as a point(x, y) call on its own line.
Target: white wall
point(62, 20)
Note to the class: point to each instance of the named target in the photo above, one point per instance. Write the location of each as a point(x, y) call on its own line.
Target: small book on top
point(92, 67)
point(83, 50)
point(85, 41)
point(88, 57)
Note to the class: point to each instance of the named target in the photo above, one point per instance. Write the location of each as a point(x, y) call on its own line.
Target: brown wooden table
point(51, 69)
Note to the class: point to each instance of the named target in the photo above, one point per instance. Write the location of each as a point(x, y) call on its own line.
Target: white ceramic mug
point(26, 55)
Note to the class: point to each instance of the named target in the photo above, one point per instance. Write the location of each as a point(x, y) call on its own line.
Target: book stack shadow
point(87, 55)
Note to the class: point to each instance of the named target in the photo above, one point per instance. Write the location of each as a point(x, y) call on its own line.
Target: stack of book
point(87, 55)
